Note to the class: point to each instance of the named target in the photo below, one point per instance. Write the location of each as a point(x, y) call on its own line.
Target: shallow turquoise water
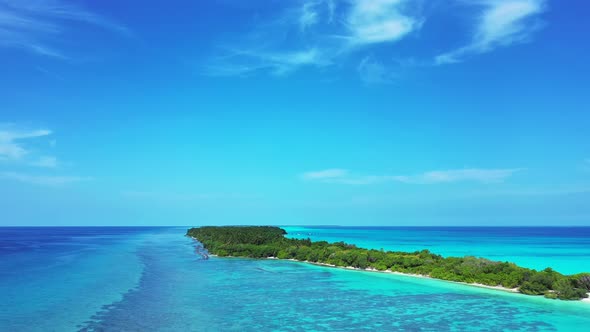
point(151, 279)
point(566, 250)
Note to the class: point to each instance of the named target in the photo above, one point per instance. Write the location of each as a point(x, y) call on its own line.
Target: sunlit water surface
point(138, 279)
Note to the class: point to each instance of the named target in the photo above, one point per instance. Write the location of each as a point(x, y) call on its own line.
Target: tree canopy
point(269, 241)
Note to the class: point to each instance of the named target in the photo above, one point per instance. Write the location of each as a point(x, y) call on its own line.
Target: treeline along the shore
point(268, 241)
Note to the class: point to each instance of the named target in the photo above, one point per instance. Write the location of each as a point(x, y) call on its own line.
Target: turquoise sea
point(565, 249)
point(150, 279)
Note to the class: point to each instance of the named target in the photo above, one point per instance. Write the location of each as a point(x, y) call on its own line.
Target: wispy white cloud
point(21, 150)
point(325, 33)
point(501, 23)
point(309, 14)
point(279, 63)
point(37, 26)
point(43, 180)
point(472, 174)
point(316, 33)
point(12, 147)
point(343, 176)
point(374, 72)
point(379, 21)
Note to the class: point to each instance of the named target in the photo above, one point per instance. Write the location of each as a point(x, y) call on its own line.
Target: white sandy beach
point(500, 288)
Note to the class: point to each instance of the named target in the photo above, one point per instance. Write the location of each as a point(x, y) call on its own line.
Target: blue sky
point(383, 112)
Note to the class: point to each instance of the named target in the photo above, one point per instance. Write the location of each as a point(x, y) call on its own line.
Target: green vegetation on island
point(268, 241)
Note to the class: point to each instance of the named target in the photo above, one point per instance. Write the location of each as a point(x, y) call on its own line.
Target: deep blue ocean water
point(139, 279)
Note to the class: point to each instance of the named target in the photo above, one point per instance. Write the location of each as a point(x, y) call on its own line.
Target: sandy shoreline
point(497, 288)
point(500, 288)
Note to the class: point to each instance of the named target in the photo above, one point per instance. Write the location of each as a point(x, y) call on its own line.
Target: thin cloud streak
point(322, 33)
point(374, 72)
point(42, 180)
point(448, 176)
point(16, 153)
point(11, 146)
point(276, 63)
point(343, 176)
point(502, 23)
point(326, 32)
point(33, 25)
point(309, 14)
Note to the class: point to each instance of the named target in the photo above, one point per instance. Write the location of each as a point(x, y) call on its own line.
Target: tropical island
point(270, 242)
